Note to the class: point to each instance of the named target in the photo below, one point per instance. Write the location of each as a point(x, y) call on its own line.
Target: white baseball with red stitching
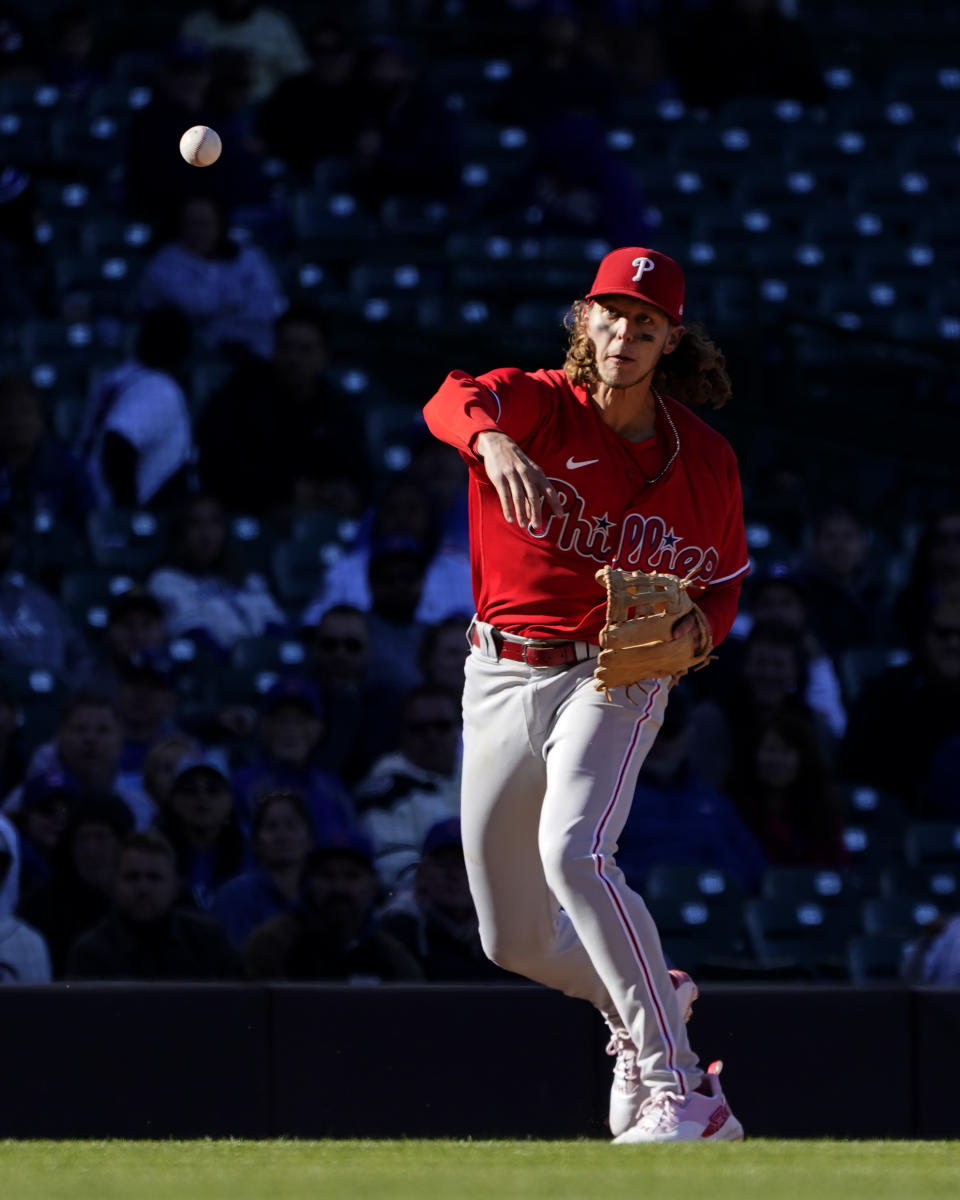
point(200, 146)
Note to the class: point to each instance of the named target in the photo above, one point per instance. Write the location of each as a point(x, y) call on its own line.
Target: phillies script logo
point(643, 265)
point(643, 543)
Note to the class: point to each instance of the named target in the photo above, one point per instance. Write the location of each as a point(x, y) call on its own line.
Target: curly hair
point(695, 373)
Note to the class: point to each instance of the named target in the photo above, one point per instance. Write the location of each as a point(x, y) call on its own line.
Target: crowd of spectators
point(244, 781)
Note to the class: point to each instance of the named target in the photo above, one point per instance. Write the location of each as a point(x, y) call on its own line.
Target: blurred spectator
point(409, 139)
point(396, 574)
point(904, 716)
point(406, 792)
point(329, 85)
point(35, 629)
point(264, 33)
point(332, 934)
point(74, 60)
point(781, 599)
point(844, 600)
point(362, 719)
point(443, 654)
point(229, 291)
point(137, 439)
point(934, 957)
point(10, 881)
point(435, 919)
point(18, 50)
point(403, 510)
point(679, 819)
point(201, 821)
point(78, 893)
point(743, 48)
point(561, 76)
point(161, 764)
point(24, 957)
point(782, 785)
point(302, 439)
point(291, 729)
point(440, 471)
point(282, 838)
point(941, 796)
point(87, 748)
point(935, 565)
point(773, 677)
point(13, 758)
point(37, 471)
point(156, 183)
point(25, 281)
point(41, 819)
point(146, 703)
point(205, 591)
point(144, 935)
point(135, 625)
point(630, 47)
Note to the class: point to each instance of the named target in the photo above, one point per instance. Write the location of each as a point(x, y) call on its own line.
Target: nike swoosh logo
point(572, 463)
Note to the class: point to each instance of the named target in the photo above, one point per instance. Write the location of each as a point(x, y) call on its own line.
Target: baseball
point(200, 146)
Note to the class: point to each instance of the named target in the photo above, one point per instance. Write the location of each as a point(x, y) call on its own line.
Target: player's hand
point(519, 482)
point(685, 625)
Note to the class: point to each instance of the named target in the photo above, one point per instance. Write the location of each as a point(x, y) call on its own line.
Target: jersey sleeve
point(503, 401)
point(719, 602)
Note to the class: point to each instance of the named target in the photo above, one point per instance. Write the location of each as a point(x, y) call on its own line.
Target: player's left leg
point(593, 757)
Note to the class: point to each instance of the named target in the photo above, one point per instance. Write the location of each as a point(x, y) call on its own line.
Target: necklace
point(676, 440)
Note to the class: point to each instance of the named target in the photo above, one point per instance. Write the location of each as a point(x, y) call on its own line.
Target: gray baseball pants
point(549, 771)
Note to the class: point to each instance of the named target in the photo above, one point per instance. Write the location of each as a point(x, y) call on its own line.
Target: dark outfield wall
point(162, 1061)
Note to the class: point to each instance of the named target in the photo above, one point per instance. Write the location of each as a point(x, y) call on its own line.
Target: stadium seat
point(321, 527)
point(794, 885)
point(708, 927)
point(39, 696)
point(867, 805)
point(859, 666)
point(940, 884)
point(810, 933)
point(932, 843)
point(679, 883)
point(24, 138)
point(126, 540)
point(874, 959)
point(298, 568)
point(283, 655)
point(86, 595)
point(897, 916)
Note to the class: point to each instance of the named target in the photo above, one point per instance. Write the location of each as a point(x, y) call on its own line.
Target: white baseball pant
point(549, 771)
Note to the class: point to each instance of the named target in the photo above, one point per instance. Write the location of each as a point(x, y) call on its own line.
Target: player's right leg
point(503, 782)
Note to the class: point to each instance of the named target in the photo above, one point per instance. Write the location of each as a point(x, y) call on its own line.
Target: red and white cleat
point(627, 1092)
point(698, 1117)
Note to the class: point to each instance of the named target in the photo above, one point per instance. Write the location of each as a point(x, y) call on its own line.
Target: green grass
point(461, 1170)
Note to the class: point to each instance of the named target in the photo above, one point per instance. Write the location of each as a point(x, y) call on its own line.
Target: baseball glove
point(636, 641)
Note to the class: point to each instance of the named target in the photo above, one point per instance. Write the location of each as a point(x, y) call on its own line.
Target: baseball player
point(575, 474)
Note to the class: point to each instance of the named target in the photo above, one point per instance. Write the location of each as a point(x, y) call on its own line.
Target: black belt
point(539, 654)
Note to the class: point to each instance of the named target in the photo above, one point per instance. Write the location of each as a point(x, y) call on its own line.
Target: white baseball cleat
point(627, 1092)
point(666, 1117)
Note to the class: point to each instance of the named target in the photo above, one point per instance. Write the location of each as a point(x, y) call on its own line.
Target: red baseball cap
point(642, 273)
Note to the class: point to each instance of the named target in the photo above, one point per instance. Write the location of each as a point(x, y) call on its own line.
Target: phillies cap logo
point(646, 274)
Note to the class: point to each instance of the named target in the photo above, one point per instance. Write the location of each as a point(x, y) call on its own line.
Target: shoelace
point(625, 1073)
point(659, 1111)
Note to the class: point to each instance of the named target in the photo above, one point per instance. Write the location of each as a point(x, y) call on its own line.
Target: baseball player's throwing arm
point(517, 480)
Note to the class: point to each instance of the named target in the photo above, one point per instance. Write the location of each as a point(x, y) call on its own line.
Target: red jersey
point(540, 583)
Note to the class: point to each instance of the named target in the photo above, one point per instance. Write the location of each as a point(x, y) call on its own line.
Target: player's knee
point(564, 863)
point(519, 955)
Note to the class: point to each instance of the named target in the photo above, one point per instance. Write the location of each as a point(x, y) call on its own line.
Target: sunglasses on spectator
point(351, 644)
